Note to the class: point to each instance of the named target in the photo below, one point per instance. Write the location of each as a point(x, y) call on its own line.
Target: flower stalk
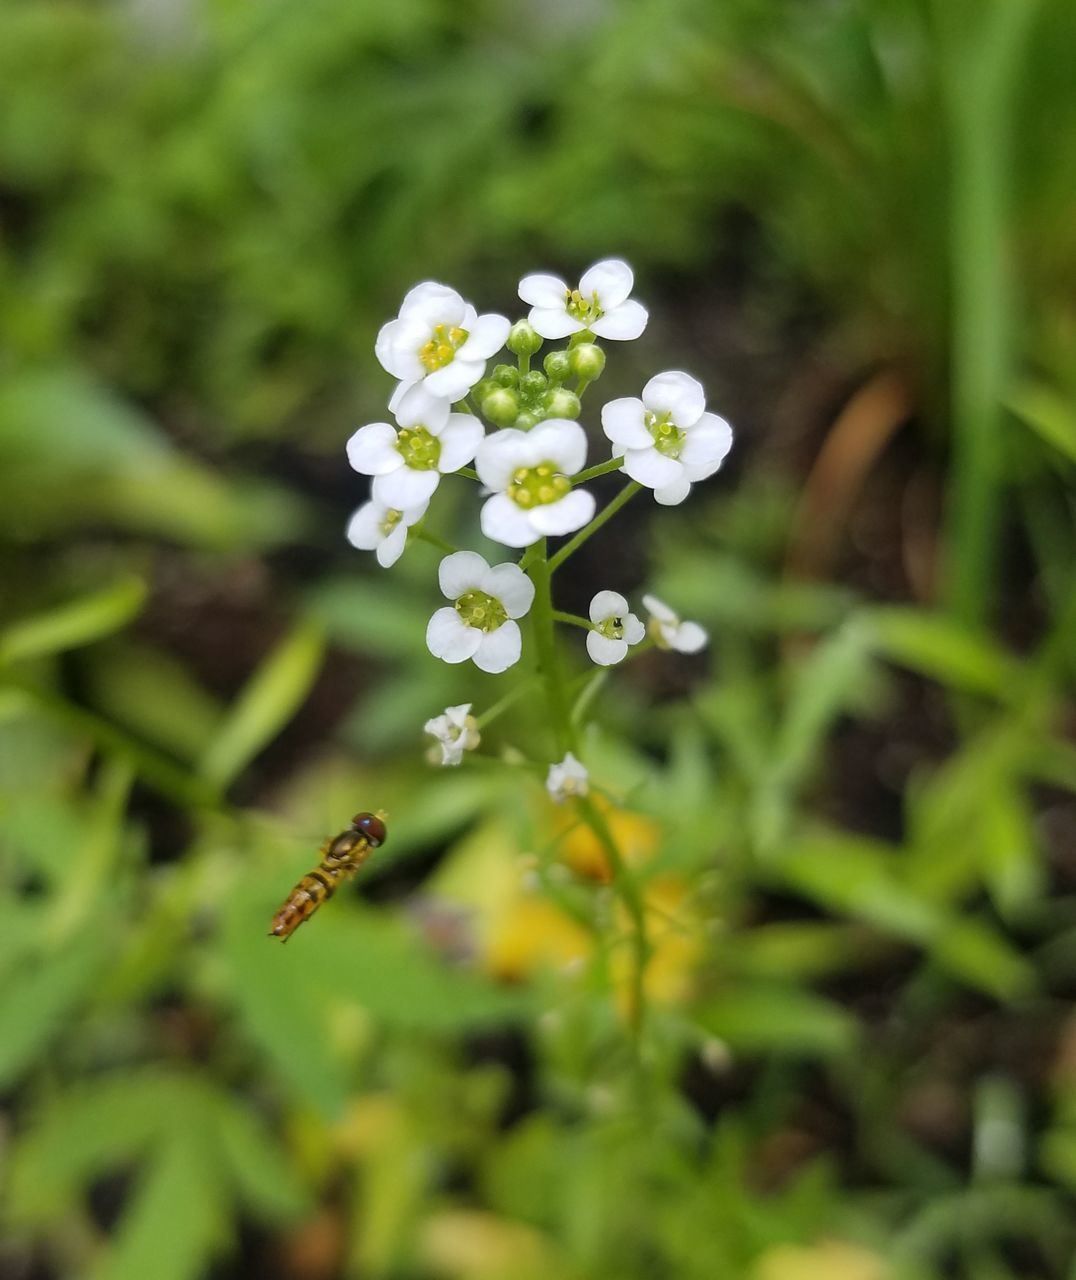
point(525, 445)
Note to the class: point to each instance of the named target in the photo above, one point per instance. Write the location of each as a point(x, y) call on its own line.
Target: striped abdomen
point(343, 856)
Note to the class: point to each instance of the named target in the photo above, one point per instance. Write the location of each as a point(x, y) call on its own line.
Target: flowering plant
point(519, 428)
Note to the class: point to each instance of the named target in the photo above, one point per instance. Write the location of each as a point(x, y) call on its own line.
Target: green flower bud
point(587, 361)
point(523, 339)
point(533, 385)
point(525, 421)
point(557, 365)
point(561, 403)
point(506, 375)
point(501, 407)
point(483, 389)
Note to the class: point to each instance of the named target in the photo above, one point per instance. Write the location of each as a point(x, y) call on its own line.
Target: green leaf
point(176, 1221)
point(268, 700)
point(282, 996)
point(153, 695)
point(1052, 418)
point(71, 625)
point(84, 1132)
point(946, 651)
point(72, 451)
point(780, 1019)
point(264, 1178)
point(371, 617)
point(38, 999)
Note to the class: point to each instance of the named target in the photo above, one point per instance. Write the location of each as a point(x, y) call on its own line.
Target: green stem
point(470, 473)
point(587, 694)
point(981, 58)
point(524, 362)
point(545, 643)
point(424, 535)
point(600, 469)
point(502, 704)
point(629, 894)
point(573, 619)
point(569, 548)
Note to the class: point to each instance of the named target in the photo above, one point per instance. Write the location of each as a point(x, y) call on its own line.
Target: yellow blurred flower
point(467, 1244)
point(823, 1260)
point(637, 837)
point(519, 931)
point(532, 933)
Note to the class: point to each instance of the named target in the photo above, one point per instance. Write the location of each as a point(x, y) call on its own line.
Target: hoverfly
point(342, 856)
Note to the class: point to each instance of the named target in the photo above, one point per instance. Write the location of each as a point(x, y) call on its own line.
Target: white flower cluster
point(531, 463)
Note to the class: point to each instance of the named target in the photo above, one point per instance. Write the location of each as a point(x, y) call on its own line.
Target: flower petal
point(607, 604)
point(511, 586)
point(402, 388)
point(434, 303)
point(707, 443)
point(460, 437)
point(676, 393)
point(634, 631)
point(405, 488)
point(397, 353)
point(417, 405)
point(543, 291)
point(622, 422)
point(502, 521)
point(449, 638)
point(455, 379)
point(392, 547)
point(498, 650)
point(487, 336)
point(690, 638)
point(652, 468)
point(364, 527)
point(564, 516)
point(623, 323)
point(611, 279)
point(659, 609)
point(671, 495)
point(605, 651)
point(554, 322)
point(498, 456)
point(558, 440)
point(372, 450)
point(460, 572)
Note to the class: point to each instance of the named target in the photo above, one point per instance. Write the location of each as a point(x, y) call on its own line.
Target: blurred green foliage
point(858, 820)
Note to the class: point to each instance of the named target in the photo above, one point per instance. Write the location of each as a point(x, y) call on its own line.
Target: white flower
point(615, 627)
point(569, 778)
point(669, 632)
point(381, 528)
point(407, 463)
point(456, 731)
point(600, 304)
point(479, 624)
point(666, 439)
point(528, 471)
point(440, 340)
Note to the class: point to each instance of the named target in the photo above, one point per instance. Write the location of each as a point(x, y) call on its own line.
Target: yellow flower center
point(667, 436)
point(481, 610)
point(538, 486)
point(389, 521)
point(441, 349)
point(579, 308)
point(420, 450)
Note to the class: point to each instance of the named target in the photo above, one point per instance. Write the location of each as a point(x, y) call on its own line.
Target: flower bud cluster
point(531, 461)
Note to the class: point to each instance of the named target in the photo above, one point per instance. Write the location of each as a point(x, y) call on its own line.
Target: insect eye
point(371, 827)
